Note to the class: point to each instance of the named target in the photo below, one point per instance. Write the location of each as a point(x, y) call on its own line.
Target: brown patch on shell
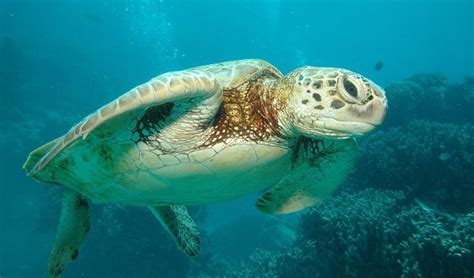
point(245, 113)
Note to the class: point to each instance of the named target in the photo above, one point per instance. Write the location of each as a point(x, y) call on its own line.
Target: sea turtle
point(207, 134)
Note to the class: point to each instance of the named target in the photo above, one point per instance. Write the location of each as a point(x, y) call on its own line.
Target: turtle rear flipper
point(74, 223)
point(177, 221)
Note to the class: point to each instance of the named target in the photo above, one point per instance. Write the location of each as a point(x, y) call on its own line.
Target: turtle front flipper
point(166, 88)
point(318, 168)
point(74, 223)
point(177, 221)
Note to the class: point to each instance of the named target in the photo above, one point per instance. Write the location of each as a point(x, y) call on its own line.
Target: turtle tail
point(36, 155)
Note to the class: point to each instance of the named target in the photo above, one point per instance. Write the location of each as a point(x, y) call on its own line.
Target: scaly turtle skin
point(208, 134)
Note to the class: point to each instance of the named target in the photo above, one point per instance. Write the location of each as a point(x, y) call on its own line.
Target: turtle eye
point(350, 88)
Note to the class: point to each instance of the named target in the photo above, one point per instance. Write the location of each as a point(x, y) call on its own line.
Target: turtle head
point(331, 102)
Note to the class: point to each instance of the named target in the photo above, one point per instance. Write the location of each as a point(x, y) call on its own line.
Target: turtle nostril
point(350, 88)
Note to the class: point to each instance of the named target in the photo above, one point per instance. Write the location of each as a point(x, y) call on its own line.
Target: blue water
point(60, 60)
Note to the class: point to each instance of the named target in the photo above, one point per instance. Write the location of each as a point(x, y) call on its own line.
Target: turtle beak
point(375, 112)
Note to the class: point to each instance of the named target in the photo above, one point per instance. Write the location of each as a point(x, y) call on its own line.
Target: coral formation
point(373, 233)
point(432, 161)
point(430, 97)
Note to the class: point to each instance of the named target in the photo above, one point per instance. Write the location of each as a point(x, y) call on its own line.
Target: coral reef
point(430, 97)
point(432, 161)
point(460, 98)
point(372, 233)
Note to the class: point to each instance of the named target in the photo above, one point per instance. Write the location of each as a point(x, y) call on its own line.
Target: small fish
point(444, 156)
point(91, 17)
point(378, 66)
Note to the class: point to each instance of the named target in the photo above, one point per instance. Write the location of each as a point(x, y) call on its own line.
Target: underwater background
point(406, 210)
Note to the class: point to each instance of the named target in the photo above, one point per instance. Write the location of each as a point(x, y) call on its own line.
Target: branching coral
point(439, 246)
point(348, 234)
point(460, 98)
point(430, 160)
point(430, 97)
point(373, 233)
